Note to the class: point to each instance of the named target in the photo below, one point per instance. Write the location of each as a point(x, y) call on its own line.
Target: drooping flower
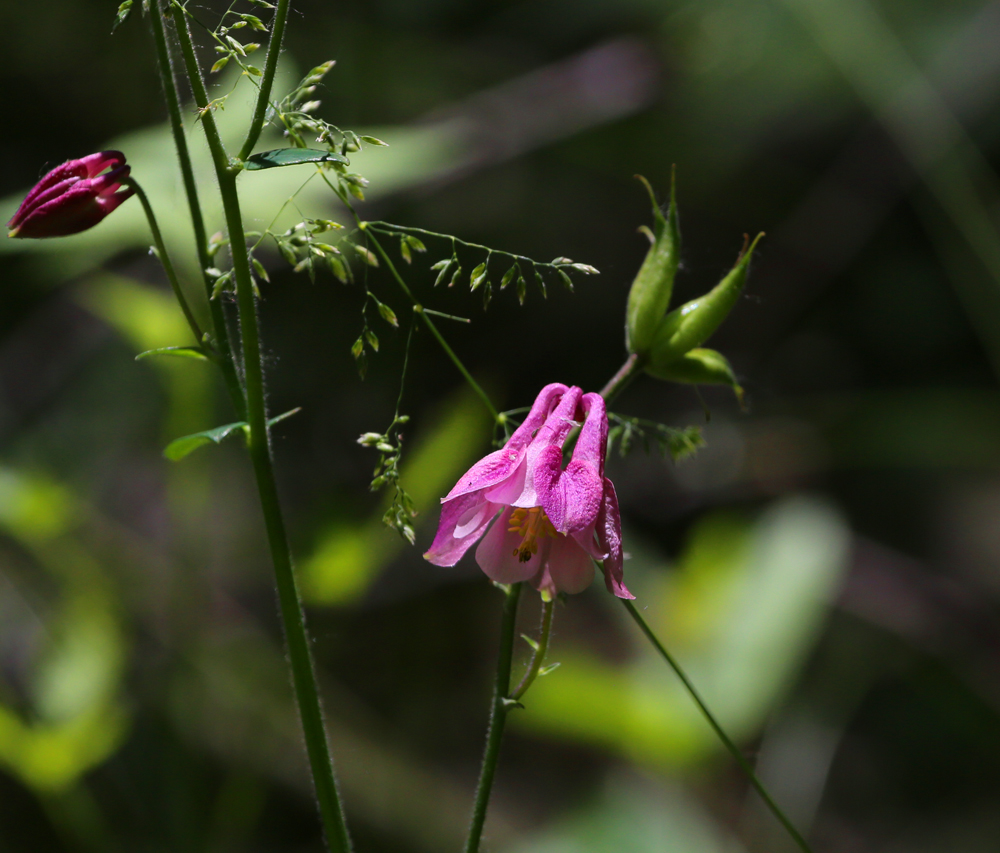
point(548, 522)
point(73, 197)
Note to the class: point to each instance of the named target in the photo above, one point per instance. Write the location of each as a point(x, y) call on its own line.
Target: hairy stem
point(161, 252)
point(290, 605)
point(734, 750)
point(221, 341)
point(548, 607)
point(498, 717)
point(270, 66)
point(623, 378)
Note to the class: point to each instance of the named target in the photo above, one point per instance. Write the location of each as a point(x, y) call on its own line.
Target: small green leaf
point(445, 269)
point(545, 670)
point(374, 140)
point(181, 447)
point(121, 14)
point(253, 69)
point(358, 348)
point(522, 289)
point(181, 352)
point(404, 250)
point(530, 642)
point(366, 255)
point(291, 157)
point(456, 276)
point(388, 314)
point(443, 264)
point(508, 277)
point(259, 269)
point(586, 269)
point(415, 243)
point(372, 339)
point(219, 65)
point(339, 269)
point(477, 276)
point(565, 279)
point(541, 284)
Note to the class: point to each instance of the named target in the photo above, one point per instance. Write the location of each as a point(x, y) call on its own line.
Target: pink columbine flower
point(72, 197)
point(548, 522)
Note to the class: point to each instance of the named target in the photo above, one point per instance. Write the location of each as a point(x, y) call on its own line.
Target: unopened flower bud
point(650, 294)
point(689, 326)
point(73, 197)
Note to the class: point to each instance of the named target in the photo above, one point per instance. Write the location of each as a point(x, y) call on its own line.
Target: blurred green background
point(826, 568)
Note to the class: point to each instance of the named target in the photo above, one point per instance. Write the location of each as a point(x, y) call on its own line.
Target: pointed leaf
point(181, 447)
point(292, 157)
point(181, 352)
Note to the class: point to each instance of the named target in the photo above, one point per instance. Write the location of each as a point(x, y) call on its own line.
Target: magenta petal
point(568, 568)
point(487, 472)
point(498, 556)
point(540, 410)
point(609, 536)
point(561, 420)
point(572, 497)
point(592, 445)
point(463, 521)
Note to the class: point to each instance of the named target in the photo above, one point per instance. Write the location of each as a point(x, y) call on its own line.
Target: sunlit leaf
point(291, 157)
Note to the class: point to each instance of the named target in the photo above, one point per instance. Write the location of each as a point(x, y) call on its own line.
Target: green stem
point(548, 607)
point(270, 66)
point(498, 717)
point(222, 343)
point(622, 379)
point(290, 605)
point(429, 323)
point(717, 728)
point(161, 251)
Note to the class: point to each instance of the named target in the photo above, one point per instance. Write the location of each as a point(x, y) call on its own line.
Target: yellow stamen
point(532, 524)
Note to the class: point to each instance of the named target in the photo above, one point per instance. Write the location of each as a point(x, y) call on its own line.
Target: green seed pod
point(650, 294)
point(698, 367)
point(692, 324)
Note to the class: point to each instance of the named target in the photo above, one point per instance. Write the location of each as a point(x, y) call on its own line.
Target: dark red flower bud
point(73, 197)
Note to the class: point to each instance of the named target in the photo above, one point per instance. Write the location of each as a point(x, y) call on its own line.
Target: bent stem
point(161, 253)
point(717, 728)
point(502, 703)
point(548, 607)
point(258, 443)
point(623, 378)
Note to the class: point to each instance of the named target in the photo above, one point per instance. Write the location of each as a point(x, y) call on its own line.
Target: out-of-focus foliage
point(825, 567)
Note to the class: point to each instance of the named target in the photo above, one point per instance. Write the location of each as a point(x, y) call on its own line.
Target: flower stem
point(548, 607)
point(498, 717)
point(270, 66)
point(622, 379)
point(717, 728)
point(161, 252)
point(290, 604)
point(222, 344)
point(429, 323)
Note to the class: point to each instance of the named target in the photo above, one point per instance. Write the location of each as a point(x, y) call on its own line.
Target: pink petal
point(568, 568)
point(498, 556)
point(592, 445)
point(540, 410)
point(572, 497)
point(463, 521)
point(609, 535)
point(489, 471)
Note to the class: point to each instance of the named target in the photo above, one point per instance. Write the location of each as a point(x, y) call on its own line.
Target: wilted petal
point(463, 521)
point(498, 555)
point(609, 536)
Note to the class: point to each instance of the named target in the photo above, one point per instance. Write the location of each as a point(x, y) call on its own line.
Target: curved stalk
point(734, 750)
point(498, 717)
point(548, 607)
point(290, 605)
point(222, 343)
point(429, 323)
point(623, 378)
point(270, 66)
point(161, 252)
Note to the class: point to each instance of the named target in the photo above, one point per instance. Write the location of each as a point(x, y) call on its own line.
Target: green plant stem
point(270, 66)
point(498, 717)
point(290, 605)
point(161, 251)
point(548, 608)
point(717, 728)
point(428, 322)
point(222, 344)
point(623, 378)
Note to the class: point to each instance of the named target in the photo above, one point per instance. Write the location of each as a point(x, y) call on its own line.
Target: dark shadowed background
point(827, 568)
